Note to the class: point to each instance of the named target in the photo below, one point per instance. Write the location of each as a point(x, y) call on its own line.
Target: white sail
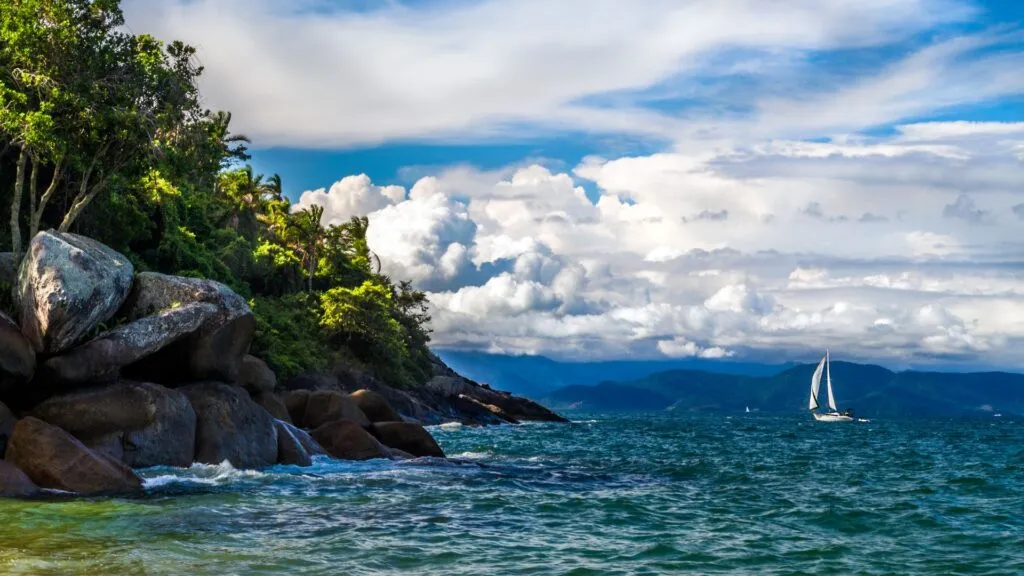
point(815, 383)
point(828, 381)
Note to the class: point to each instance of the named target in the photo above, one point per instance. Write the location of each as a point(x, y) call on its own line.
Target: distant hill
point(537, 376)
point(869, 390)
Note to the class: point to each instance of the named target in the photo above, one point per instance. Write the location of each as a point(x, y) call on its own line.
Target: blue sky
point(601, 178)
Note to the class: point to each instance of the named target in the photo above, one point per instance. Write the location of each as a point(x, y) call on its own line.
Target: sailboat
point(834, 415)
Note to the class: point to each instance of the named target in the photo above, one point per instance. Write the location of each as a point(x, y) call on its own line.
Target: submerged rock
point(289, 449)
point(139, 423)
point(256, 376)
point(14, 483)
point(347, 440)
point(67, 285)
point(374, 406)
point(215, 350)
point(230, 426)
point(103, 357)
point(325, 406)
point(17, 358)
point(52, 458)
point(407, 437)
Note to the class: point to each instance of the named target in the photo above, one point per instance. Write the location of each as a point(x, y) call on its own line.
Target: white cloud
point(350, 196)
point(303, 73)
point(682, 348)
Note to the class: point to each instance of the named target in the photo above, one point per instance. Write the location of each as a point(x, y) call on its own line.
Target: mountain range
point(723, 386)
point(869, 390)
point(536, 376)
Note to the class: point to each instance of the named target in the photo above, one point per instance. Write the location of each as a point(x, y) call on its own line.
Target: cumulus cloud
point(350, 196)
point(682, 348)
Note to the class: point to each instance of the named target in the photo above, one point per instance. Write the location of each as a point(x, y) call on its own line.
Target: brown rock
point(325, 406)
point(215, 351)
point(289, 448)
point(295, 402)
point(408, 437)
point(17, 358)
point(52, 458)
point(14, 483)
point(347, 440)
point(230, 426)
point(101, 358)
point(374, 406)
point(67, 285)
point(272, 404)
point(140, 423)
point(256, 376)
point(311, 446)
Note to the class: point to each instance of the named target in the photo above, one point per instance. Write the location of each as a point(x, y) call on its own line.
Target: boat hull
point(832, 417)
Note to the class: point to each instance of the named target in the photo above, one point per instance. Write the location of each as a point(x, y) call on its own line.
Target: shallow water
point(609, 494)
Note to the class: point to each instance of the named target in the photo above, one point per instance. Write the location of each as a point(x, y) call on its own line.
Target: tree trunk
point(312, 268)
point(37, 213)
point(33, 182)
point(19, 190)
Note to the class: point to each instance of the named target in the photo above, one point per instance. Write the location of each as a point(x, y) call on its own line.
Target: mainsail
point(815, 383)
point(828, 380)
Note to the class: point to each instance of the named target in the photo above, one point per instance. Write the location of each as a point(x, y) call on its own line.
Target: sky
point(735, 179)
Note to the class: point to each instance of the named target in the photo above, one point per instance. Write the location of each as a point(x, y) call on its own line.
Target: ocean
point(608, 494)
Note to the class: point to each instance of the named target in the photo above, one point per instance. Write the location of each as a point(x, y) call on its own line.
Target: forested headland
point(103, 133)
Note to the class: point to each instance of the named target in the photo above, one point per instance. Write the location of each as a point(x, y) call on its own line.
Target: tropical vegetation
point(103, 133)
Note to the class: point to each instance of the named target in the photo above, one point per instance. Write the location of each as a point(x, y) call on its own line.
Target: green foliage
point(288, 335)
point(102, 133)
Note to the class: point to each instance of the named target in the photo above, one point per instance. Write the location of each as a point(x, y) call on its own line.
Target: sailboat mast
point(828, 381)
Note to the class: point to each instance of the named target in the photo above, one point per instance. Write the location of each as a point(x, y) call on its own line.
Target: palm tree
point(307, 233)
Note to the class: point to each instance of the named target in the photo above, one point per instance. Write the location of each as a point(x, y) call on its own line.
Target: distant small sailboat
point(748, 409)
point(834, 415)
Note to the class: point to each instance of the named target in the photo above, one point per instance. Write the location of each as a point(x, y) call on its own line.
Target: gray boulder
point(138, 423)
point(103, 357)
point(17, 358)
point(272, 404)
point(8, 269)
point(215, 351)
point(52, 458)
point(289, 449)
point(256, 376)
point(67, 285)
point(230, 426)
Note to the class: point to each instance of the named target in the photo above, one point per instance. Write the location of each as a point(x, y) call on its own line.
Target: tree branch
point(19, 190)
point(37, 215)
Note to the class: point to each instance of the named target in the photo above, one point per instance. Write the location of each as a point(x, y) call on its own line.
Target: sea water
point(607, 494)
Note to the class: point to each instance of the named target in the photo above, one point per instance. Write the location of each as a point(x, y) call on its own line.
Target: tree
point(308, 233)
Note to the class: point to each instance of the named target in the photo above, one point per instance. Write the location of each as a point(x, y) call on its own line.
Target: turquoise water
point(649, 494)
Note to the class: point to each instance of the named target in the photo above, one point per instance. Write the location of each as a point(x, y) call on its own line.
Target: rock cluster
point(105, 371)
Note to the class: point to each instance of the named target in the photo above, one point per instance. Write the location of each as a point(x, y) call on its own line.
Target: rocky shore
point(104, 371)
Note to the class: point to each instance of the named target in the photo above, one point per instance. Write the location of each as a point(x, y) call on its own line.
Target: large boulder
point(14, 483)
point(289, 449)
point(52, 458)
point(272, 404)
point(67, 285)
point(139, 423)
point(256, 376)
point(17, 358)
point(374, 406)
point(7, 421)
point(347, 440)
point(102, 358)
point(230, 426)
point(408, 437)
point(311, 381)
point(448, 385)
point(325, 406)
point(215, 351)
point(295, 402)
